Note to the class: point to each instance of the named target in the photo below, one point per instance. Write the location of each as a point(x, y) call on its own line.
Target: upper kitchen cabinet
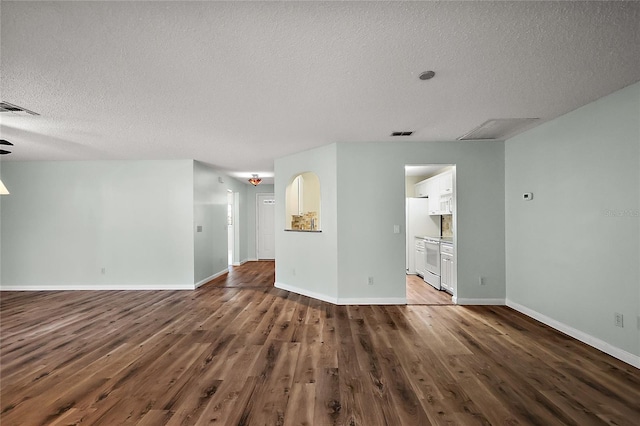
point(439, 189)
point(427, 188)
point(445, 181)
point(421, 189)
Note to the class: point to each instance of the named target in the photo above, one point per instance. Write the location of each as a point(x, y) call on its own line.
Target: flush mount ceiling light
point(5, 142)
point(498, 128)
point(427, 75)
point(255, 180)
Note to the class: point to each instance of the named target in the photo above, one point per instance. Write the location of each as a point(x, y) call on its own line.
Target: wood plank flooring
point(238, 351)
point(421, 293)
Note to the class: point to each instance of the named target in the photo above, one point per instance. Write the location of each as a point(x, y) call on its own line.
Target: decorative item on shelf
point(255, 180)
point(307, 221)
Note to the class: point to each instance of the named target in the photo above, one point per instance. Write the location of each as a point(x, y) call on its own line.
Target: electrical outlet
point(618, 320)
point(103, 271)
point(370, 280)
point(396, 229)
point(482, 281)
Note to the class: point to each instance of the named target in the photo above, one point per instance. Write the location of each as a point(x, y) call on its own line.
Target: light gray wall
point(371, 184)
point(573, 251)
point(362, 188)
point(313, 256)
point(250, 221)
point(65, 221)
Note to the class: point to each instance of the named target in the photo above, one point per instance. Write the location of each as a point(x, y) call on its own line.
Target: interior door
point(265, 232)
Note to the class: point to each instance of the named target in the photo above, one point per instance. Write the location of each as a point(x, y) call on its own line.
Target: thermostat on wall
point(527, 196)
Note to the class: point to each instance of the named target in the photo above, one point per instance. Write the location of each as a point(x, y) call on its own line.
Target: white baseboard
point(372, 301)
point(343, 301)
point(590, 340)
point(212, 277)
point(242, 262)
point(462, 301)
point(305, 292)
point(94, 287)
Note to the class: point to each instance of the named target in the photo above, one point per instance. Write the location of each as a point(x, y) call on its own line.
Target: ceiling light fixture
point(255, 180)
point(427, 75)
point(5, 142)
point(15, 109)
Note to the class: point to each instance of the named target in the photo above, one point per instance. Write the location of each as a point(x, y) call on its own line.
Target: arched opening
point(303, 203)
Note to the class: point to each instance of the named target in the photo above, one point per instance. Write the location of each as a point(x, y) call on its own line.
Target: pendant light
point(255, 180)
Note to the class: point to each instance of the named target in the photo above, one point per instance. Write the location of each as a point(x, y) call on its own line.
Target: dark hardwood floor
point(421, 293)
point(238, 351)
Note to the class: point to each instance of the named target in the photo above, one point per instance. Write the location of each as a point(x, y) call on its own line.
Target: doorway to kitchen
point(430, 212)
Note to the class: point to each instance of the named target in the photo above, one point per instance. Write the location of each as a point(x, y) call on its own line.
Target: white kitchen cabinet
point(434, 205)
point(445, 181)
point(441, 198)
point(439, 190)
point(427, 188)
point(420, 257)
point(421, 189)
point(447, 267)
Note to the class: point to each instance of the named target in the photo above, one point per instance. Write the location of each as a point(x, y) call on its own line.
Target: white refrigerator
point(420, 224)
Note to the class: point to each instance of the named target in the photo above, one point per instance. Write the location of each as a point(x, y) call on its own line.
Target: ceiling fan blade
point(3, 152)
point(5, 142)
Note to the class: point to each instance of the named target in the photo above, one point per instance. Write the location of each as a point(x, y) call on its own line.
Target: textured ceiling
point(237, 84)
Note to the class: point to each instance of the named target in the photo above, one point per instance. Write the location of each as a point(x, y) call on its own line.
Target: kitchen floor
point(421, 293)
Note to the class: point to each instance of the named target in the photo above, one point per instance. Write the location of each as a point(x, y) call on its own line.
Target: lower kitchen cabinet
point(447, 268)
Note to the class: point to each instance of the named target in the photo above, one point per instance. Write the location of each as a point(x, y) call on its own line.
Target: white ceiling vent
point(498, 128)
point(15, 109)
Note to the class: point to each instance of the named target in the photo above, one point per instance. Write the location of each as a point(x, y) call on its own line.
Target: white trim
point(372, 301)
point(96, 287)
point(305, 292)
point(590, 340)
point(343, 301)
point(212, 277)
point(460, 301)
point(242, 262)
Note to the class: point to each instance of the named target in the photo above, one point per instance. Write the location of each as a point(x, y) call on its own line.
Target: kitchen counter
point(441, 239)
